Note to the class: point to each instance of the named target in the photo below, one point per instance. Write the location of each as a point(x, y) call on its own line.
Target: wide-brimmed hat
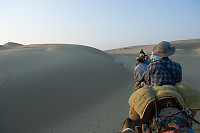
point(164, 49)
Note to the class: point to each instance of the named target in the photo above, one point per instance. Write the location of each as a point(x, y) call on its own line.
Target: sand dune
point(180, 44)
point(10, 45)
point(46, 85)
point(72, 88)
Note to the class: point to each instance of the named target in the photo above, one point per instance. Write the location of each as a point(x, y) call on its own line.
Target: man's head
point(146, 57)
point(139, 59)
point(163, 49)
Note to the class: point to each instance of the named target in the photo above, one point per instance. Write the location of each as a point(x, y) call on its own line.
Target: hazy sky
point(103, 24)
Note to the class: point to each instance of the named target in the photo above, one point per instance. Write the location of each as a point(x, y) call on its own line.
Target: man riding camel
point(139, 71)
point(162, 72)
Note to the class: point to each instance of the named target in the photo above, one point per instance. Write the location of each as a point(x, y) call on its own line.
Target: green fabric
point(187, 96)
point(191, 96)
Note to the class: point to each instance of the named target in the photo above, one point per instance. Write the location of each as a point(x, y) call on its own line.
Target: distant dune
point(180, 44)
point(66, 88)
point(10, 45)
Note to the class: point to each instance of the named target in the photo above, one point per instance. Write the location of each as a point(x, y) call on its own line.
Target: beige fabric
point(187, 96)
point(163, 49)
point(190, 95)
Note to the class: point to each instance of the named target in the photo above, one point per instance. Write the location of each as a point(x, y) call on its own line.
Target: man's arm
point(135, 72)
point(179, 74)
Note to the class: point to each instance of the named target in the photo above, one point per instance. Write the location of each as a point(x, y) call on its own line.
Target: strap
point(128, 129)
point(171, 74)
point(197, 122)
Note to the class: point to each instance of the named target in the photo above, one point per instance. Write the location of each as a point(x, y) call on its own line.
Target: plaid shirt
point(157, 75)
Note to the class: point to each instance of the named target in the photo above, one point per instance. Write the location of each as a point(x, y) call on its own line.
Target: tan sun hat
point(164, 49)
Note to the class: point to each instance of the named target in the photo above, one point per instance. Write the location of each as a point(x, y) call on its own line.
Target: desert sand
point(66, 88)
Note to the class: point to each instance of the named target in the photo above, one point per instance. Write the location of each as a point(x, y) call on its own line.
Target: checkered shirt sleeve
point(156, 74)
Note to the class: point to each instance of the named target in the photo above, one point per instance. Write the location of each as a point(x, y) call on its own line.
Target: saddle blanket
point(188, 97)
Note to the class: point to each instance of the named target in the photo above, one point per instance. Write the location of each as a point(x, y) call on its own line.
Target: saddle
point(143, 98)
point(170, 117)
point(152, 109)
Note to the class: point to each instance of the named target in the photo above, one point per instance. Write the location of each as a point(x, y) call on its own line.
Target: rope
point(156, 117)
point(174, 114)
point(194, 120)
point(128, 129)
point(187, 115)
